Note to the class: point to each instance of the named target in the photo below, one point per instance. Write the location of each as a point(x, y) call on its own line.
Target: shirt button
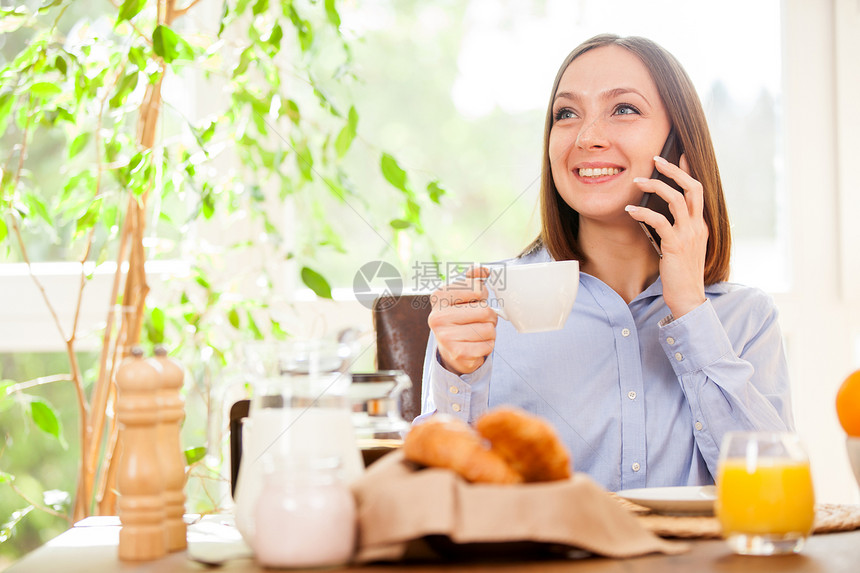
point(635, 466)
point(699, 425)
point(456, 407)
point(625, 332)
point(679, 356)
point(454, 390)
point(631, 395)
point(670, 341)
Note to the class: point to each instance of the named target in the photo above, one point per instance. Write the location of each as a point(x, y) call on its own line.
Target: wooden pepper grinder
point(171, 413)
point(139, 480)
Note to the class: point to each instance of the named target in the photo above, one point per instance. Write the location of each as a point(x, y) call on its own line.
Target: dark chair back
point(238, 413)
point(401, 342)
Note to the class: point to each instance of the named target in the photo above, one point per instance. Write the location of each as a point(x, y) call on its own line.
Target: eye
point(564, 113)
point(626, 109)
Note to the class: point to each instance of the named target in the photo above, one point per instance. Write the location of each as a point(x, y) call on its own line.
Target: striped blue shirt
point(640, 401)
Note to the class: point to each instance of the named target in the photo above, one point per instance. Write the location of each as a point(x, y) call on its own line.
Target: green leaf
point(241, 6)
point(207, 205)
point(193, 455)
point(46, 419)
point(435, 191)
point(130, 9)
point(393, 173)
point(207, 133)
point(6, 477)
point(155, 326)
point(259, 7)
point(277, 330)
point(331, 13)
point(252, 324)
point(7, 100)
point(303, 29)
point(137, 57)
point(233, 317)
point(316, 282)
point(60, 64)
point(4, 230)
point(245, 60)
point(126, 86)
point(90, 217)
point(413, 210)
point(304, 159)
point(347, 134)
point(276, 36)
point(399, 224)
point(224, 16)
point(79, 143)
point(45, 90)
point(48, 4)
point(170, 46)
point(292, 111)
point(37, 207)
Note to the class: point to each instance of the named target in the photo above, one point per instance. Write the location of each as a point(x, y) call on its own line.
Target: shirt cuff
point(694, 341)
point(465, 396)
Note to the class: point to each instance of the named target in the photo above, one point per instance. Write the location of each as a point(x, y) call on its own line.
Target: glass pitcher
point(300, 409)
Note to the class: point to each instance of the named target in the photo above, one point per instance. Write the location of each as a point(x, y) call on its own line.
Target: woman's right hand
point(463, 322)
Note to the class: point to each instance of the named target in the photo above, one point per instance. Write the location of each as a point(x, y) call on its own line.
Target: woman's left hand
point(682, 268)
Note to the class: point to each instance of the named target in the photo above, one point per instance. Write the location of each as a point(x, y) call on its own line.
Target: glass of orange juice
point(765, 501)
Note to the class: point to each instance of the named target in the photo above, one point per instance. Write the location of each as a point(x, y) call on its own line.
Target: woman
point(660, 355)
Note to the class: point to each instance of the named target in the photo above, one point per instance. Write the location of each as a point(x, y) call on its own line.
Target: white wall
point(820, 313)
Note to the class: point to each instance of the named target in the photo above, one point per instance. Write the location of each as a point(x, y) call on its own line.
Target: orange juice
point(774, 496)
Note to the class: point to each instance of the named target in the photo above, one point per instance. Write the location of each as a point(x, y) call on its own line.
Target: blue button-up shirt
point(640, 400)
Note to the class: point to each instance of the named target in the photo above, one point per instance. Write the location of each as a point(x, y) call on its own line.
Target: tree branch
point(21, 386)
point(178, 12)
point(39, 506)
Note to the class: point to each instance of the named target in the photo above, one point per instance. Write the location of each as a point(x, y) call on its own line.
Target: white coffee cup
point(535, 297)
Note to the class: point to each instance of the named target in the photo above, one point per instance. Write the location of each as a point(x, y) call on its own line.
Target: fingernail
point(639, 180)
point(631, 208)
point(659, 159)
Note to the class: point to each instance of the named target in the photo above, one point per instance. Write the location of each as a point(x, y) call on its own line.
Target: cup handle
point(501, 312)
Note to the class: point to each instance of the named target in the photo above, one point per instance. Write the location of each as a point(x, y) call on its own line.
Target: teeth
point(600, 172)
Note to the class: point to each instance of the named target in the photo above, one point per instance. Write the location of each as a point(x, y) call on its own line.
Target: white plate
point(683, 500)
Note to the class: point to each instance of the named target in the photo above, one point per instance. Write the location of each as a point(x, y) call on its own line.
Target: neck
point(622, 258)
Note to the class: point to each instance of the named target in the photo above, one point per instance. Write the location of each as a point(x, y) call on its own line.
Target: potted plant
point(105, 156)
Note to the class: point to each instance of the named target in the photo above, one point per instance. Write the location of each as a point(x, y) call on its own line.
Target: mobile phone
point(671, 152)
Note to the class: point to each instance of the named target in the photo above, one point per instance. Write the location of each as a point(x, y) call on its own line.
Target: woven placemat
point(829, 517)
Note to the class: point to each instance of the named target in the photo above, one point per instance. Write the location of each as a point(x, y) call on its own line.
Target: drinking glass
point(765, 500)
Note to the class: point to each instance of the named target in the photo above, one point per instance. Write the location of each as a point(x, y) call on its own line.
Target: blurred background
point(458, 89)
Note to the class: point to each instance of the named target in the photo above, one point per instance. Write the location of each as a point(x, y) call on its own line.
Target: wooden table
point(86, 549)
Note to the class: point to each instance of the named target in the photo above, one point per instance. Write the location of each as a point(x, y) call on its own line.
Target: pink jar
point(305, 516)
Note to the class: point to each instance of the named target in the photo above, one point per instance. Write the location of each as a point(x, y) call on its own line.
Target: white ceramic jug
point(300, 409)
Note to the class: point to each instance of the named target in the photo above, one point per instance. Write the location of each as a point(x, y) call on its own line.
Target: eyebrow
point(608, 94)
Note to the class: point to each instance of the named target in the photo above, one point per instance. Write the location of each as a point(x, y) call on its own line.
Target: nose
point(592, 135)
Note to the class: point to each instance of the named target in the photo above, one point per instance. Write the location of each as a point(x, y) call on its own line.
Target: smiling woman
point(660, 356)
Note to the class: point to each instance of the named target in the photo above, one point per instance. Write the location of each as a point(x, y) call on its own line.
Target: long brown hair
point(560, 223)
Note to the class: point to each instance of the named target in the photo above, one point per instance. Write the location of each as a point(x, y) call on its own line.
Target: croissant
point(506, 446)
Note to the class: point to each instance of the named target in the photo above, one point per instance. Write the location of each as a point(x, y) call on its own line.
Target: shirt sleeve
point(464, 396)
point(735, 381)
